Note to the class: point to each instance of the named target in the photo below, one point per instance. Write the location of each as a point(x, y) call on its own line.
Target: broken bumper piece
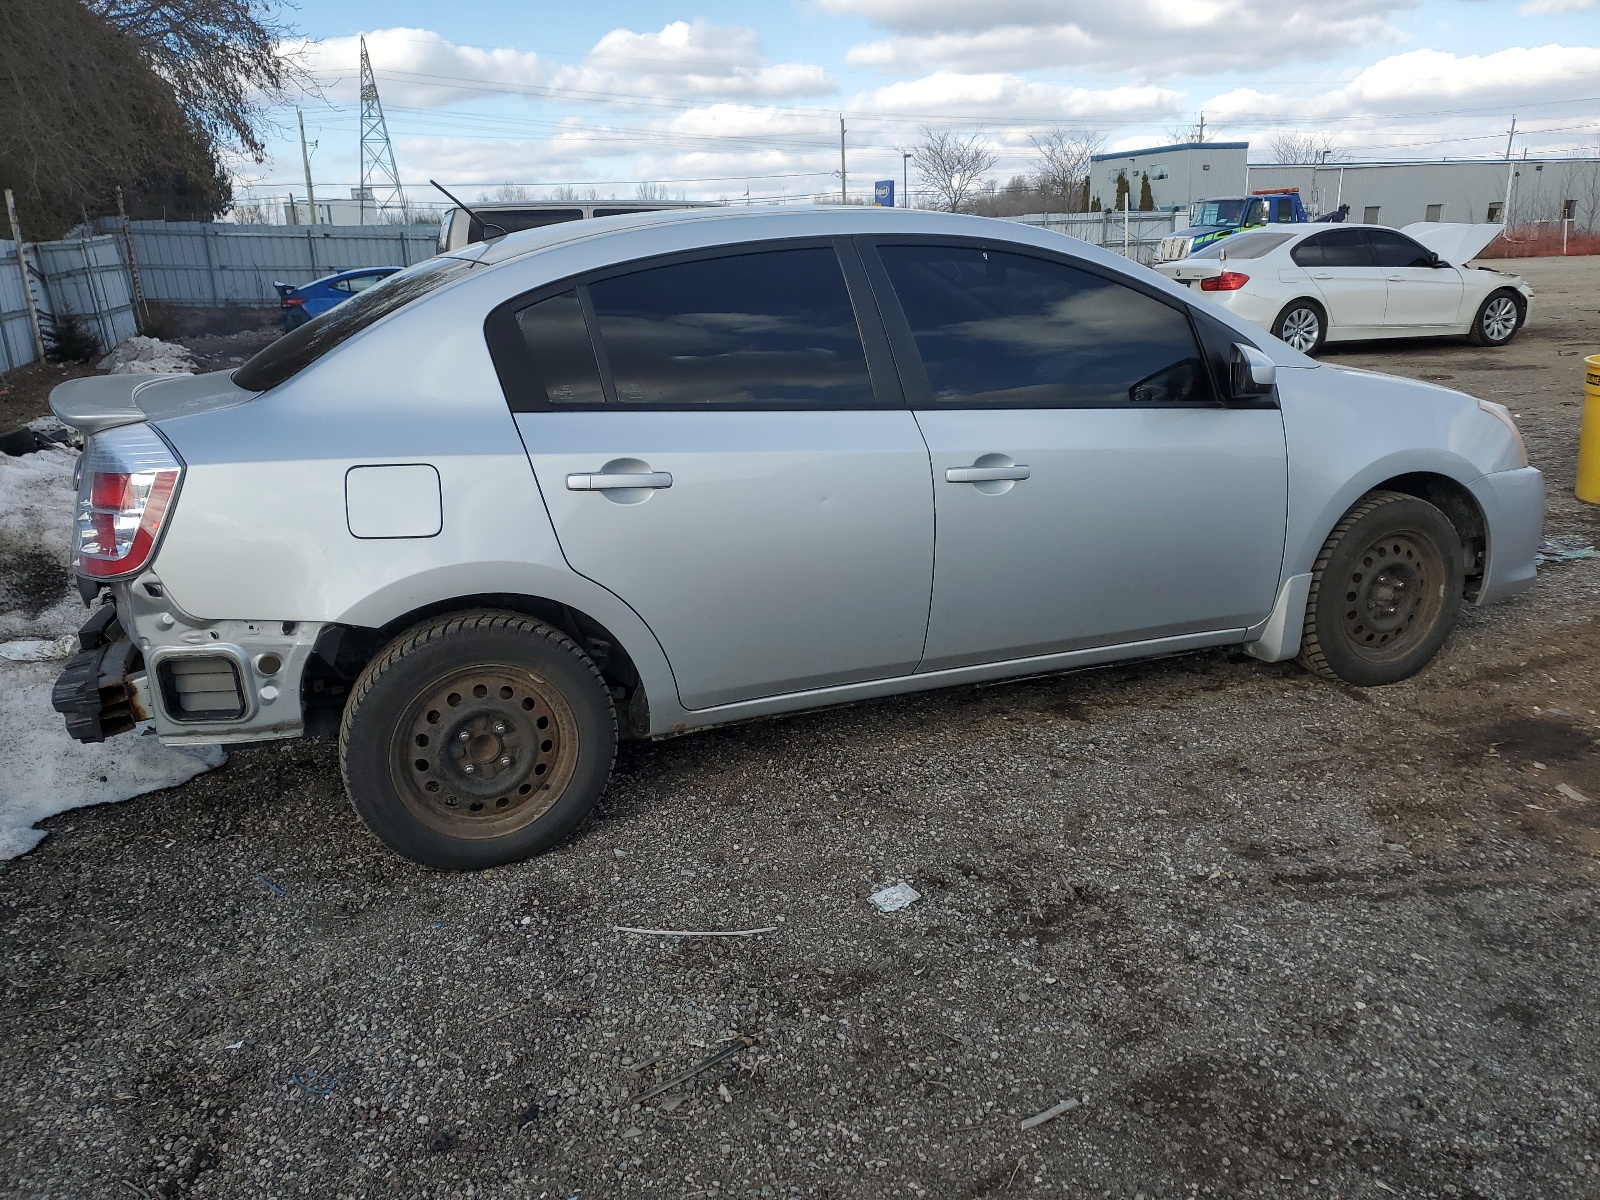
point(96, 691)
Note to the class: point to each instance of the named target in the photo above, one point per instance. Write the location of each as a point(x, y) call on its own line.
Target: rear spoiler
point(283, 288)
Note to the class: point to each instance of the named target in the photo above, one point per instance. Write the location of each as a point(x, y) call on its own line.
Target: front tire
point(1499, 317)
point(1303, 325)
point(1385, 591)
point(477, 739)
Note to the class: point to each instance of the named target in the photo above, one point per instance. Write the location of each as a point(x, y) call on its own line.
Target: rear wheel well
point(343, 651)
point(1461, 509)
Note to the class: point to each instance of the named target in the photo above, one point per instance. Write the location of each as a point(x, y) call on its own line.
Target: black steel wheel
point(1302, 324)
point(477, 739)
point(1384, 591)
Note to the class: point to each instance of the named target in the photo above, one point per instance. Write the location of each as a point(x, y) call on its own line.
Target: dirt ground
point(1275, 937)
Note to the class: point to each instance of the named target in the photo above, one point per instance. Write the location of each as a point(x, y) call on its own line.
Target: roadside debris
point(893, 899)
point(1566, 789)
point(1564, 549)
point(314, 1082)
point(722, 1055)
point(147, 356)
point(694, 933)
point(1049, 1114)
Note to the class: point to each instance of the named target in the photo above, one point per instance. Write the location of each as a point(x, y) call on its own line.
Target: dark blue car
point(313, 299)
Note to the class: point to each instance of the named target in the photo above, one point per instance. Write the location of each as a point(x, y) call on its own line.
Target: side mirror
point(1435, 261)
point(1253, 373)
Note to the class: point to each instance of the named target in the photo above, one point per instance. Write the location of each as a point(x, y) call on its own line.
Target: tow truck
point(1212, 220)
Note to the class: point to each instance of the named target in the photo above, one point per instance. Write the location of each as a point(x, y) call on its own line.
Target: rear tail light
point(128, 481)
point(293, 301)
point(1228, 281)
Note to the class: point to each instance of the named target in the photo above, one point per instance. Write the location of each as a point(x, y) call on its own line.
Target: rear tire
point(1303, 325)
point(1385, 591)
point(477, 739)
point(1499, 317)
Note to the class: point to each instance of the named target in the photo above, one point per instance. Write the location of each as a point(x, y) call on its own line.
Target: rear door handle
point(985, 474)
point(607, 482)
point(1397, 279)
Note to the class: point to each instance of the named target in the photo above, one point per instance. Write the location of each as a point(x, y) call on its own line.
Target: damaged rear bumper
point(100, 691)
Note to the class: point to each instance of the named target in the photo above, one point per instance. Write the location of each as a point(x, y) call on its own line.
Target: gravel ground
point(1275, 937)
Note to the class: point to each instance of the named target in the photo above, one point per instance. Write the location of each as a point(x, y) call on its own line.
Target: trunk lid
point(90, 405)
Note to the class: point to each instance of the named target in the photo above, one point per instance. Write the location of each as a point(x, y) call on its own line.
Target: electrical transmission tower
point(380, 180)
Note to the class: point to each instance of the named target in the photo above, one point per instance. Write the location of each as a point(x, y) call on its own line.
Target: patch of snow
point(43, 771)
point(40, 649)
point(147, 356)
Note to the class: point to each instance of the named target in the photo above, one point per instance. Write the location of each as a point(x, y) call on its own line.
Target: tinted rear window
point(296, 351)
point(770, 329)
point(1243, 245)
point(1336, 248)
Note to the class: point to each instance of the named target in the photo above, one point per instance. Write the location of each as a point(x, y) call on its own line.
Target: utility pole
point(905, 165)
point(843, 195)
point(305, 159)
point(1511, 173)
point(1202, 136)
point(380, 178)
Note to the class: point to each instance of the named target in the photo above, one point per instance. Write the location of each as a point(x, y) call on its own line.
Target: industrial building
point(1381, 193)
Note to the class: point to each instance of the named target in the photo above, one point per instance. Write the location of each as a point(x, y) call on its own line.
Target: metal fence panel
point(194, 262)
point(16, 333)
point(1136, 234)
point(85, 276)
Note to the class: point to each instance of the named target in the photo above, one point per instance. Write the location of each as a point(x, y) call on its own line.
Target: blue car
point(313, 299)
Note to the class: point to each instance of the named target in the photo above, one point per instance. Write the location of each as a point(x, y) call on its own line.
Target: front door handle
point(985, 474)
point(1397, 279)
point(1322, 277)
point(608, 481)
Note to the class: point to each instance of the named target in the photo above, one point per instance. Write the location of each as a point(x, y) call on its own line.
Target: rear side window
point(995, 329)
point(296, 351)
point(565, 371)
point(773, 329)
point(1336, 248)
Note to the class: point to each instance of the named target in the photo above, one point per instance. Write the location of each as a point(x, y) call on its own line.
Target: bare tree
point(508, 192)
point(1187, 134)
point(252, 212)
point(1063, 166)
point(1294, 146)
point(951, 167)
point(225, 60)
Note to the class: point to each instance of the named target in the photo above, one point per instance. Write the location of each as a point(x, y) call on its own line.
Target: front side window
point(1397, 250)
point(773, 329)
point(1006, 330)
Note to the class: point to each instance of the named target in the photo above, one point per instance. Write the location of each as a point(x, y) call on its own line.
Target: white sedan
point(1318, 283)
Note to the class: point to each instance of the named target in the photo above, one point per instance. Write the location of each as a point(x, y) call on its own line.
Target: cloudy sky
point(716, 99)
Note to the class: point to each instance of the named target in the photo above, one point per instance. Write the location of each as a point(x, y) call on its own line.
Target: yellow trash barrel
point(1588, 488)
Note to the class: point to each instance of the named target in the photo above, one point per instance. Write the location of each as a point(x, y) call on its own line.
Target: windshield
point(296, 351)
point(1243, 245)
point(1229, 213)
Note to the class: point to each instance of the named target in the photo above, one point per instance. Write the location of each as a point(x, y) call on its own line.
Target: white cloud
point(999, 96)
point(1153, 39)
point(1457, 102)
point(418, 68)
point(698, 59)
point(1542, 8)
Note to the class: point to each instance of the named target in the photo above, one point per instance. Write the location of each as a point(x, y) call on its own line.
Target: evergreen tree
point(1147, 202)
point(1123, 191)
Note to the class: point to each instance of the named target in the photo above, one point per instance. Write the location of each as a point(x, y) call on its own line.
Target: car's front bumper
point(1513, 510)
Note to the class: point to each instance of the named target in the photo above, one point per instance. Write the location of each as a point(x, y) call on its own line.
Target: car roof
point(758, 222)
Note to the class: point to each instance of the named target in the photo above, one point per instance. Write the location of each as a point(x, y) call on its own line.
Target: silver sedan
point(640, 475)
